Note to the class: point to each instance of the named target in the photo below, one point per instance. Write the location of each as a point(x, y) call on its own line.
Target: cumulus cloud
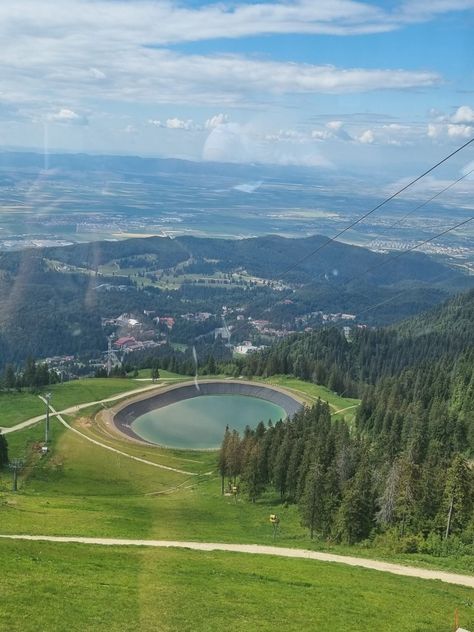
point(67, 116)
point(457, 126)
point(215, 121)
point(231, 142)
point(464, 114)
point(367, 137)
point(175, 123)
point(460, 131)
point(332, 130)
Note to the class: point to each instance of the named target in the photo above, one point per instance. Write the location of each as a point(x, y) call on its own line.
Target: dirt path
point(376, 565)
point(108, 447)
point(343, 410)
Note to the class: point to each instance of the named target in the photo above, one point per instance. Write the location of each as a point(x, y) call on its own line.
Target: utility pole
point(15, 466)
point(109, 356)
point(46, 426)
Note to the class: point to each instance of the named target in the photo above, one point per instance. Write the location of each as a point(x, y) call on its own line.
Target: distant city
point(84, 198)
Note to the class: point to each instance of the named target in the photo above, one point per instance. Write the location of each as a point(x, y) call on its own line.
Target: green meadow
point(77, 587)
point(82, 489)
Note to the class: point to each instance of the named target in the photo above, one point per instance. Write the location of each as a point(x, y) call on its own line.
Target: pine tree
point(252, 475)
point(234, 456)
point(224, 458)
point(281, 464)
point(211, 366)
point(388, 502)
point(458, 495)
point(311, 500)
point(9, 379)
point(155, 373)
point(354, 519)
point(3, 451)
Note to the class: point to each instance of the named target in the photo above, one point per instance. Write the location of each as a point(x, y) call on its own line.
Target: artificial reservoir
point(194, 417)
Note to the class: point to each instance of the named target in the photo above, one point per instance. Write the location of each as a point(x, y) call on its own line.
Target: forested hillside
point(326, 356)
point(51, 300)
point(403, 473)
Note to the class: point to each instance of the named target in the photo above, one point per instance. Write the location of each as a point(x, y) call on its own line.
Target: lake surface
point(200, 422)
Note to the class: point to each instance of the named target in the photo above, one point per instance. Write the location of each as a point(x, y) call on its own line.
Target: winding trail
point(257, 549)
point(343, 410)
point(108, 447)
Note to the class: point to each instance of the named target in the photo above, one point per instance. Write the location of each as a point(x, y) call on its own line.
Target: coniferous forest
point(402, 472)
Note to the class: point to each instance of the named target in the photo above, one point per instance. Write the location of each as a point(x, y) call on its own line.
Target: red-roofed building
point(124, 342)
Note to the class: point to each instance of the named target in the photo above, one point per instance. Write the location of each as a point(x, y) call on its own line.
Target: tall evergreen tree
point(3, 451)
point(224, 458)
point(312, 499)
point(458, 495)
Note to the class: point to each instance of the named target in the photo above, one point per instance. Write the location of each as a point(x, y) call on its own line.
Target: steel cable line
point(417, 208)
point(383, 203)
point(402, 252)
point(377, 207)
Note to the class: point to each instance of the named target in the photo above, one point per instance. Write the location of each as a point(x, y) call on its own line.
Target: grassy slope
point(16, 407)
point(311, 392)
point(114, 589)
point(81, 489)
point(89, 390)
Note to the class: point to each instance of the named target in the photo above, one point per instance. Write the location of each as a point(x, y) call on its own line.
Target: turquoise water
point(200, 422)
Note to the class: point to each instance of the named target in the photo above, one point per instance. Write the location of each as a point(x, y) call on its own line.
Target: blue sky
point(330, 84)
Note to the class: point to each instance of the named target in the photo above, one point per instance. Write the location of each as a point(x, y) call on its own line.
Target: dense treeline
point(346, 366)
point(206, 357)
point(33, 375)
point(349, 487)
point(403, 471)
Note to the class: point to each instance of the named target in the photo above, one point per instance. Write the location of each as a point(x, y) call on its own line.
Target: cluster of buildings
point(247, 347)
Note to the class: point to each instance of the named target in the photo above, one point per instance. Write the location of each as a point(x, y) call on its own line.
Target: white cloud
point(176, 123)
point(460, 131)
point(337, 130)
point(56, 56)
point(235, 143)
point(166, 22)
point(67, 116)
point(464, 114)
point(367, 137)
point(215, 121)
point(433, 130)
point(96, 73)
point(332, 130)
point(458, 126)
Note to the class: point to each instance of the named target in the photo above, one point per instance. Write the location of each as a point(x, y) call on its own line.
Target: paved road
point(111, 449)
point(376, 565)
point(78, 407)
